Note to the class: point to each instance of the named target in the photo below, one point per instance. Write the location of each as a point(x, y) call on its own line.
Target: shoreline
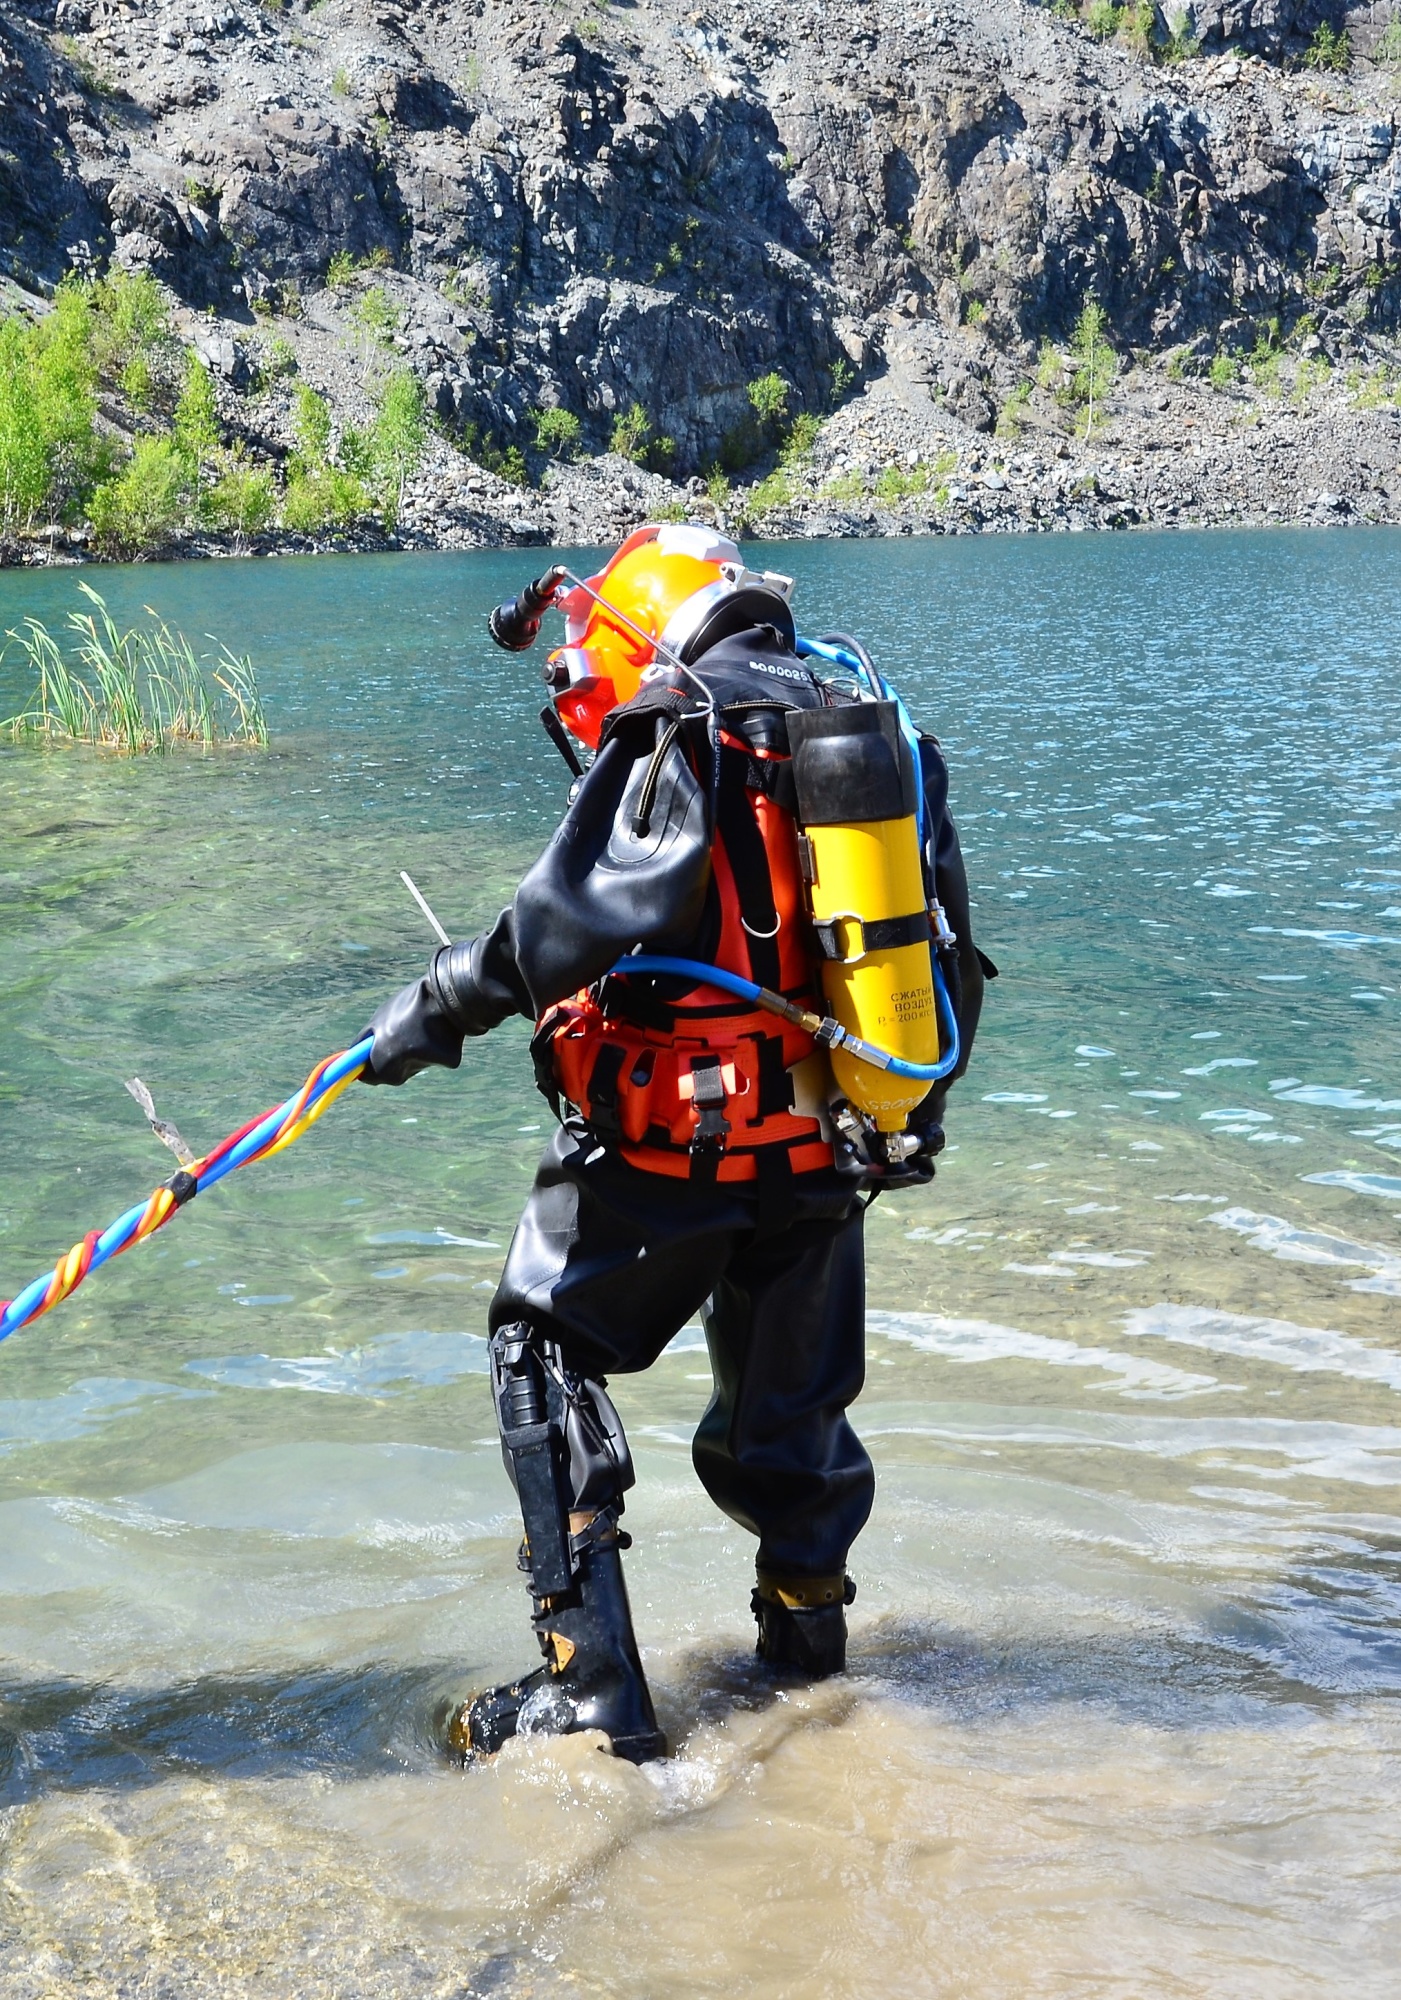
point(280, 547)
point(884, 469)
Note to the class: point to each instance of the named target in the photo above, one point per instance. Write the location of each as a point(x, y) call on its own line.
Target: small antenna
point(422, 901)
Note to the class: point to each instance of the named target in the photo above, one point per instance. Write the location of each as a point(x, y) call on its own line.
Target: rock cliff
point(900, 210)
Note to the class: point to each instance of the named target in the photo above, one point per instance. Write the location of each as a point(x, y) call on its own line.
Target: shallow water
point(1122, 1716)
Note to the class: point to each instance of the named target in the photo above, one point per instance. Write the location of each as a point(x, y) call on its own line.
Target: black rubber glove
point(413, 1031)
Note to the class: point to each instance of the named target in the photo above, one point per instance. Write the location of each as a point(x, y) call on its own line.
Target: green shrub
point(632, 432)
point(376, 313)
point(324, 497)
point(557, 432)
point(1264, 358)
point(340, 272)
point(241, 501)
point(311, 421)
point(717, 485)
point(1223, 372)
point(511, 466)
point(841, 377)
point(1312, 374)
point(279, 359)
point(1374, 389)
point(196, 430)
point(846, 489)
point(1137, 22)
point(398, 440)
point(770, 493)
point(1010, 416)
point(131, 323)
point(1050, 369)
point(1330, 49)
point(1181, 44)
point(898, 483)
point(1102, 18)
point(1093, 358)
point(768, 398)
point(1388, 49)
point(803, 434)
point(469, 292)
point(24, 446)
point(49, 449)
point(139, 510)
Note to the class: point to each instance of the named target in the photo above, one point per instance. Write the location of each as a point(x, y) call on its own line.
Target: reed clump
point(136, 691)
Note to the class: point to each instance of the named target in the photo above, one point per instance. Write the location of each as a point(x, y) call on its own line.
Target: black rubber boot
point(808, 1637)
point(592, 1677)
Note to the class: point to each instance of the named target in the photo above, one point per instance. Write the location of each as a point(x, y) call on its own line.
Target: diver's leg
point(786, 1328)
point(569, 1462)
point(606, 1265)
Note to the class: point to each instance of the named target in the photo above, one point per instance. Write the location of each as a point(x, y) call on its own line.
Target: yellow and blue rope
point(269, 1134)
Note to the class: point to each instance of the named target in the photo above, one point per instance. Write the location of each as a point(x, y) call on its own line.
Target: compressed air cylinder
point(855, 778)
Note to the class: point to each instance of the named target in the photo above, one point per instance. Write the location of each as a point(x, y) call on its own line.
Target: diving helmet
point(667, 594)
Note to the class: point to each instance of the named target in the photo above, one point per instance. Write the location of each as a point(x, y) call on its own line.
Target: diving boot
point(592, 1677)
point(802, 1622)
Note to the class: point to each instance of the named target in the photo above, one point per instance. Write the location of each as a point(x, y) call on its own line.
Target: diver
point(744, 812)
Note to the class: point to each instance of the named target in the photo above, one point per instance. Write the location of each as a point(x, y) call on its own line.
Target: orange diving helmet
point(671, 590)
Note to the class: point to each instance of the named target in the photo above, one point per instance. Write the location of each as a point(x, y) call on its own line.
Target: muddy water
point(1122, 1715)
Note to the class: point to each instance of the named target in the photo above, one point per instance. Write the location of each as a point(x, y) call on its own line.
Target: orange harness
point(699, 1087)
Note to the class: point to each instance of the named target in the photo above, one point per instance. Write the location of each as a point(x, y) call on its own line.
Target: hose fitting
point(515, 625)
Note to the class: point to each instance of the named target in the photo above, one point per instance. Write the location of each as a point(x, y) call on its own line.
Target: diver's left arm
point(628, 865)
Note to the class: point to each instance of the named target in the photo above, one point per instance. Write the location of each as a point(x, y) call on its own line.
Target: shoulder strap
point(749, 863)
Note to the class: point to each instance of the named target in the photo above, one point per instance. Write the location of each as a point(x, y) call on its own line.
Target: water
point(1128, 1642)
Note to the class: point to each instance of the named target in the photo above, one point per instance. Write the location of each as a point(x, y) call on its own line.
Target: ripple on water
point(1302, 1349)
point(1293, 1245)
point(981, 1341)
point(418, 1359)
point(80, 1410)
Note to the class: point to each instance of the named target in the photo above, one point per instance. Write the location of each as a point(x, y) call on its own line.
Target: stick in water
point(162, 1127)
point(422, 901)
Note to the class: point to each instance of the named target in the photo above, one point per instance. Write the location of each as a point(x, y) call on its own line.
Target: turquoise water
point(1129, 1631)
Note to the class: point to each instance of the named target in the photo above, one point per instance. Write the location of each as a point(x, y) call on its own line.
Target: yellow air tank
point(855, 779)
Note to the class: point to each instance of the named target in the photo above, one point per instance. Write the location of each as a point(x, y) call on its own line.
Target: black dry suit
point(610, 1260)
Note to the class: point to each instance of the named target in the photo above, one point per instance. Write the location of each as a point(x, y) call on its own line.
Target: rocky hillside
point(638, 215)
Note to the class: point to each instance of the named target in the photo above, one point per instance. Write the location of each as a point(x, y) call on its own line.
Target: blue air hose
point(842, 656)
point(826, 1030)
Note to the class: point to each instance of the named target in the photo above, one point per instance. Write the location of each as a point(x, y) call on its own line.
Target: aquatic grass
point(142, 690)
point(65, 704)
point(235, 675)
point(114, 658)
point(184, 708)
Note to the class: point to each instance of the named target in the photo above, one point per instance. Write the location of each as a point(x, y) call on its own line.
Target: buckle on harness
point(708, 1093)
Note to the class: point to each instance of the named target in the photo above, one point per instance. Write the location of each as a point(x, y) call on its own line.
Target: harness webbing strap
point(775, 1084)
point(749, 863)
point(880, 934)
point(774, 1180)
point(603, 1091)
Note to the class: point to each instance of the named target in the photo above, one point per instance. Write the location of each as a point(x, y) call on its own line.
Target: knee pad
point(563, 1447)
